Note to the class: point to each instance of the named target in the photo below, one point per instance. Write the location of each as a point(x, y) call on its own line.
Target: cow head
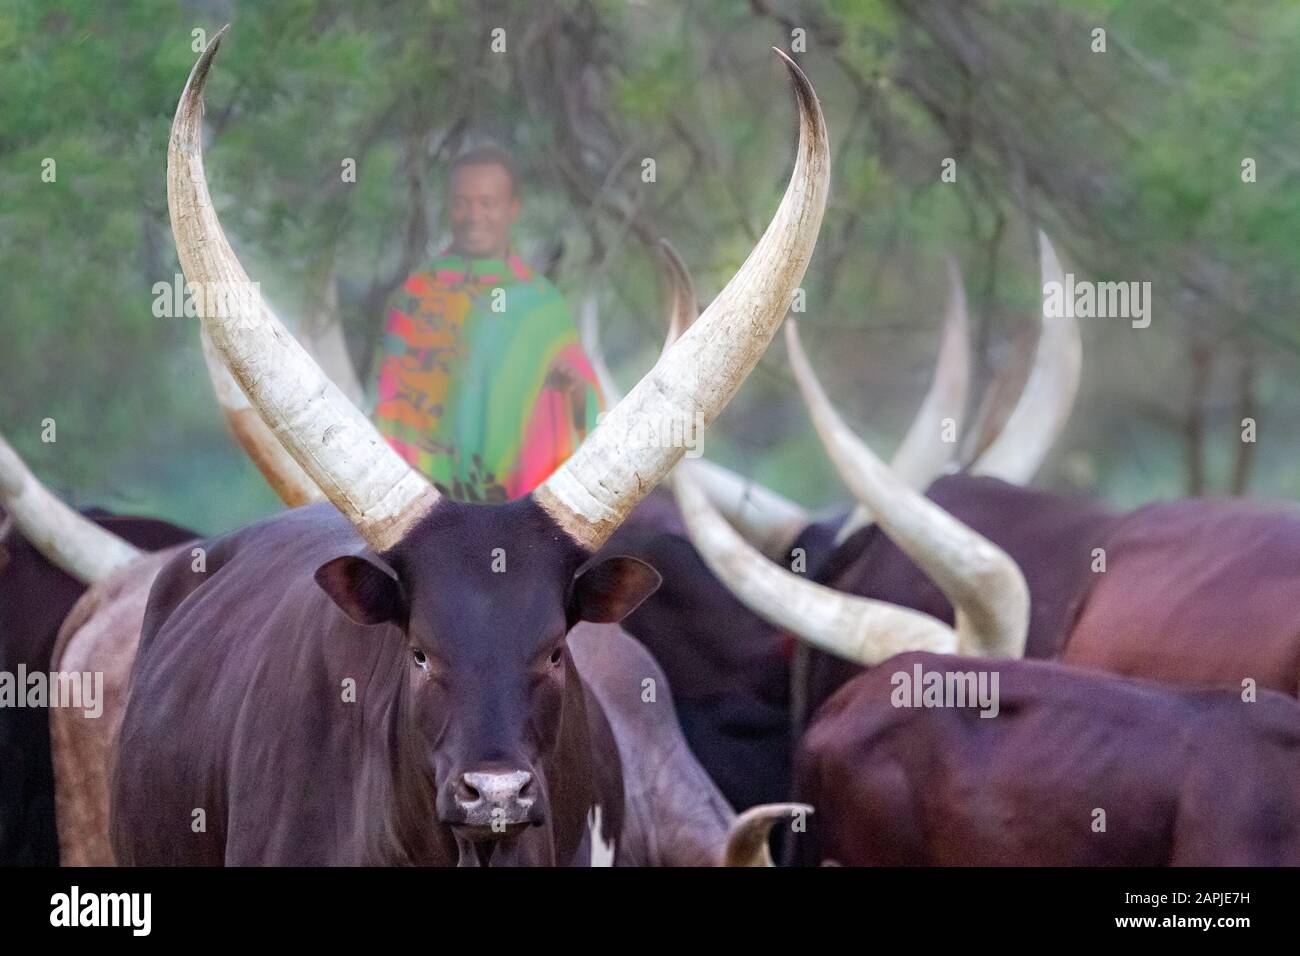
point(486, 594)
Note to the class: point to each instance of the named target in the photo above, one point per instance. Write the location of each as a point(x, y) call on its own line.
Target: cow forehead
point(475, 540)
point(504, 610)
point(494, 575)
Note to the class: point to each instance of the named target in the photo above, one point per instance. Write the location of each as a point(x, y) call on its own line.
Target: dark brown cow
point(1214, 607)
point(354, 749)
point(35, 597)
point(729, 669)
point(472, 737)
point(1076, 768)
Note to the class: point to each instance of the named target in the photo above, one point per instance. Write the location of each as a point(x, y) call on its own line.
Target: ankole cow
point(732, 670)
point(394, 679)
point(48, 557)
point(101, 632)
point(1193, 592)
point(1057, 766)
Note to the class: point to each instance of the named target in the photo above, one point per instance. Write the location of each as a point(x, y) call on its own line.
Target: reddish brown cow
point(1195, 592)
point(1076, 768)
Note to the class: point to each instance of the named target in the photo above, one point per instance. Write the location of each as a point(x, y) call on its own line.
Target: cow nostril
point(466, 792)
point(526, 788)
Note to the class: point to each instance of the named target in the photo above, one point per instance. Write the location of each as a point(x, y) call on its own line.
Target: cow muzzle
point(491, 804)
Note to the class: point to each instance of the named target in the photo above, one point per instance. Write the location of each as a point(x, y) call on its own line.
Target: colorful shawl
point(467, 390)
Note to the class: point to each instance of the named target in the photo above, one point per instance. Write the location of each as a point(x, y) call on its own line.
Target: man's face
point(483, 208)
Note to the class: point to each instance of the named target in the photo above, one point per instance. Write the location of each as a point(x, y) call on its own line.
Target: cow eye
point(420, 658)
point(557, 656)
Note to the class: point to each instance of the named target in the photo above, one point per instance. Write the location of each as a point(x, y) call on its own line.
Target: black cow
point(35, 597)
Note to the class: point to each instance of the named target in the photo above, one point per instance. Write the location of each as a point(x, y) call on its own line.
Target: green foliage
point(1131, 159)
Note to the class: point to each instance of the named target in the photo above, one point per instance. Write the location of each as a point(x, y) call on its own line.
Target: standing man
point(483, 384)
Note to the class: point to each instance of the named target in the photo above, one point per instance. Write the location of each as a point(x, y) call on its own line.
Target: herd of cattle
point(603, 672)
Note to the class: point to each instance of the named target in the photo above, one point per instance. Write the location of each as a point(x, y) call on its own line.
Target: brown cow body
point(99, 636)
point(240, 708)
point(729, 669)
point(1197, 592)
point(1184, 777)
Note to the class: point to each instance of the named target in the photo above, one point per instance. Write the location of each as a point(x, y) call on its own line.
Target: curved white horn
point(1044, 406)
point(856, 628)
point(924, 455)
point(747, 837)
point(67, 540)
point(281, 472)
point(985, 586)
point(768, 520)
point(333, 442)
point(321, 334)
point(589, 333)
point(683, 303)
point(591, 493)
point(682, 311)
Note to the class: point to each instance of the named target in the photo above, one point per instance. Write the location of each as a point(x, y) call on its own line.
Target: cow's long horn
point(1045, 404)
point(859, 629)
point(589, 332)
point(681, 312)
point(924, 454)
point(68, 540)
point(747, 838)
point(321, 334)
point(281, 472)
point(327, 435)
point(767, 519)
point(591, 493)
point(985, 586)
point(683, 303)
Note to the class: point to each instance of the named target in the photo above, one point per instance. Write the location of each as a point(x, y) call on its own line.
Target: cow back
point(1172, 775)
point(1198, 592)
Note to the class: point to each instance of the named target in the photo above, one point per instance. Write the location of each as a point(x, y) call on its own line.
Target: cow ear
point(364, 589)
point(609, 589)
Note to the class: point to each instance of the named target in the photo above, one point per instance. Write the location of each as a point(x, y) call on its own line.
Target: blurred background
point(1130, 158)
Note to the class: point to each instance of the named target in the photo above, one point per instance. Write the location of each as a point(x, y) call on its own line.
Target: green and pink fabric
point(483, 385)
